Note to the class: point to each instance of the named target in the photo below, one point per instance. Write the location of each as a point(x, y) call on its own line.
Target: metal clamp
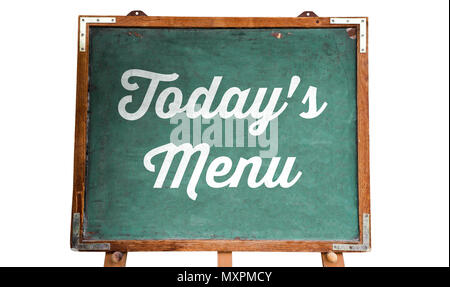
point(365, 246)
point(137, 13)
point(308, 14)
point(77, 246)
point(362, 29)
point(84, 21)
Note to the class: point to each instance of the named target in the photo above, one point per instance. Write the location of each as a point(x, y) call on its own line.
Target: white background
point(409, 116)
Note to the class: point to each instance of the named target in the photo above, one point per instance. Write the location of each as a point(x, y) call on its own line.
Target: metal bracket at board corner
point(365, 246)
point(84, 21)
point(362, 29)
point(77, 246)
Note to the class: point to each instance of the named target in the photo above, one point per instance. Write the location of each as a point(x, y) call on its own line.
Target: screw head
point(117, 256)
point(332, 257)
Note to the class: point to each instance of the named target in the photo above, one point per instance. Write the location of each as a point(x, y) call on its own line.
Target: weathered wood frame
point(77, 240)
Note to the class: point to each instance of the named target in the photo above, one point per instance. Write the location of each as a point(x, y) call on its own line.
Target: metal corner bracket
point(365, 246)
point(86, 20)
point(77, 246)
point(362, 29)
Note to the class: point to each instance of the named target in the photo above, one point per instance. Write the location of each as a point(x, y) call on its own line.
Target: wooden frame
point(77, 240)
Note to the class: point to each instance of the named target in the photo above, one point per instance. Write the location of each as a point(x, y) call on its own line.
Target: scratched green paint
point(121, 202)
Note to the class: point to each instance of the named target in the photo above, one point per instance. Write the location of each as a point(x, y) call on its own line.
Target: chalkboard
point(230, 133)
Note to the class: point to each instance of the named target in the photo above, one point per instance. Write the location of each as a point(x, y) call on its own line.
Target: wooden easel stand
point(224, 259)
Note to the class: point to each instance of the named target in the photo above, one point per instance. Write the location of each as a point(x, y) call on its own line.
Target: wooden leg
point(224, 259)
point(331, 259)
point(115, 259)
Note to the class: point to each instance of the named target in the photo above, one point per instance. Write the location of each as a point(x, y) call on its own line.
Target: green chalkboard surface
point(138, 76)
